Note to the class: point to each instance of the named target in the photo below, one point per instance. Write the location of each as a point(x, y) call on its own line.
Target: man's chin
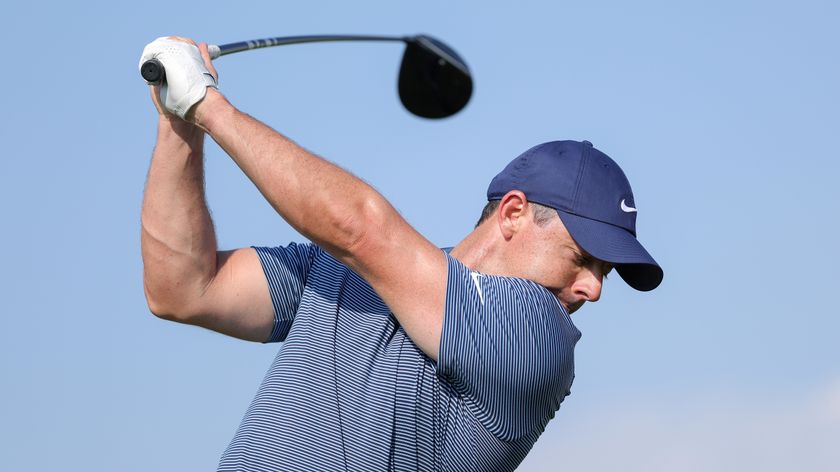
point(575, 307)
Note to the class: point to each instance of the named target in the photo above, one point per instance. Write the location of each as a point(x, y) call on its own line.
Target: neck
point(481, 251)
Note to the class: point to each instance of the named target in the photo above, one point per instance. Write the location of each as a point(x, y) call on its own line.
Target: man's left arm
point(340, 213)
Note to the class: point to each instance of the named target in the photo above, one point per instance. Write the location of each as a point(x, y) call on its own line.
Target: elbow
point(167, 308)
point(160, 309)
point(368, 228)
point(175, 294)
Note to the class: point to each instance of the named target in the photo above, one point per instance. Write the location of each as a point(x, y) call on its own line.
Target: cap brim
point(617, 246)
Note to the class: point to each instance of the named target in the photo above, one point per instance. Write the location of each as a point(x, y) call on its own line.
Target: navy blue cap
point(593, 198)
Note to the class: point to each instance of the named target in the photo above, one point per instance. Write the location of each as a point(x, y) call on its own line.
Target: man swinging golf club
point(396, 355)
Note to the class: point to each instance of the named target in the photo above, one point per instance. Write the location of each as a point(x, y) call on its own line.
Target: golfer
point(396, 355)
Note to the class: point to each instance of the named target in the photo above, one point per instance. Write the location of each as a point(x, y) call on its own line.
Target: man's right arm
point(186, 279)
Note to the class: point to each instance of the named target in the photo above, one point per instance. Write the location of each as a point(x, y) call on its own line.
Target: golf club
point(434, 82)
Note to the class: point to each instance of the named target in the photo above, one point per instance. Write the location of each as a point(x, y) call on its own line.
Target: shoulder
point(508, 296)
point(513, 317)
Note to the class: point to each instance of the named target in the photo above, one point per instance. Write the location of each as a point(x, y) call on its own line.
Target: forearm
point(178, 242)
point(322, 201)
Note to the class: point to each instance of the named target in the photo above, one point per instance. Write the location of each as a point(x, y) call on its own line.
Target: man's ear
point(513, 208)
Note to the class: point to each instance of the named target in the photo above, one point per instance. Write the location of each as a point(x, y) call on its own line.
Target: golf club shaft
point(154, 73)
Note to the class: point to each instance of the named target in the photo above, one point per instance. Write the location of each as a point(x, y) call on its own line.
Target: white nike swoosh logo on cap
point(625, 208)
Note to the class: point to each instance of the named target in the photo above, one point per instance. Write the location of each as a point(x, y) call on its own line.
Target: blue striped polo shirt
point(349, 390)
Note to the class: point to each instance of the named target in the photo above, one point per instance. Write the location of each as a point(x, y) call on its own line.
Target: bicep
point(237, 302)
point(409, 273)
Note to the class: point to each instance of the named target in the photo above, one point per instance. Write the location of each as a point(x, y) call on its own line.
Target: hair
point(542, 213)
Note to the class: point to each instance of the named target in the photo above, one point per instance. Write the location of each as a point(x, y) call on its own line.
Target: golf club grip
point(154, 73)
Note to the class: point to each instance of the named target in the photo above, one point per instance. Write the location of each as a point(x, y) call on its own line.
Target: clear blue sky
point(724, 115)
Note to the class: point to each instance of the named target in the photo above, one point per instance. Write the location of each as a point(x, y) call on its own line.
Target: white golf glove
point(187, 78)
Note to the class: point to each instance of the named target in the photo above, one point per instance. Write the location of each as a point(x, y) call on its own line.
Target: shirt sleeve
point(507, 346)
point(286, 270)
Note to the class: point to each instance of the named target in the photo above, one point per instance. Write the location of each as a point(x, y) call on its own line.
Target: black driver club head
point(434, 81)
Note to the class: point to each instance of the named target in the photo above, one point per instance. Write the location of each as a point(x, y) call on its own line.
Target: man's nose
point(588, 286)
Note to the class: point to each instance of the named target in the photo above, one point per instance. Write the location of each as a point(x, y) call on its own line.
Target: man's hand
point(189, 72)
